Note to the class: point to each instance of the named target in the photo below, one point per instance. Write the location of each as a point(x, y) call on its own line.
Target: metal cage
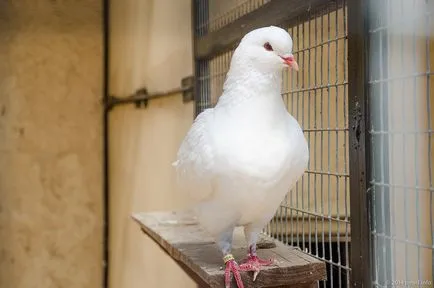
point(400, 56)
point(363, 98)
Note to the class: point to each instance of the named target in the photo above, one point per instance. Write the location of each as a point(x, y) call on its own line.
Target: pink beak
point(290, 61)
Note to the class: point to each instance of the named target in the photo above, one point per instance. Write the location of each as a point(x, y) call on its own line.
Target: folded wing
point(195, 159)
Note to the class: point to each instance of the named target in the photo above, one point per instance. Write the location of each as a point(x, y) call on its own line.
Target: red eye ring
point(268, 47)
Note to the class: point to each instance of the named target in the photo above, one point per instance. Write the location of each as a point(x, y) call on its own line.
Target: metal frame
point(140, 97)
point(359, 148)
point(275, 12)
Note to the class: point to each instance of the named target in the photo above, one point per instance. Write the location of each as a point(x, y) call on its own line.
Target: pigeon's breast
point(260, 156)
point(259, 166)
point(258, 149)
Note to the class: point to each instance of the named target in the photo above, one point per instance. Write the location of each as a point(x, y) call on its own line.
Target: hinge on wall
point(141, 97)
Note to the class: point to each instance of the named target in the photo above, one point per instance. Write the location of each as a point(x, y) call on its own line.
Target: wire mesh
point(400, 57)
point(315, 214)
point(202, 68)
point(212, 15)
point(227, 11)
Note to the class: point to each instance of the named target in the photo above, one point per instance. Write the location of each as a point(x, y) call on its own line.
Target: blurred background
point(51, 139)
point(73, 168)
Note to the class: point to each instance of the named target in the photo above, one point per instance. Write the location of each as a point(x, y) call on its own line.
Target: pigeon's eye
point(268, 47)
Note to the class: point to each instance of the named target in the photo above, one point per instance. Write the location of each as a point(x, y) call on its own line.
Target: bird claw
point(255, 260)
point(255, 274)
point(254, 263)
point(232, 266)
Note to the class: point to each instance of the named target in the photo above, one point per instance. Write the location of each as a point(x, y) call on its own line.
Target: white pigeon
point(240, 158)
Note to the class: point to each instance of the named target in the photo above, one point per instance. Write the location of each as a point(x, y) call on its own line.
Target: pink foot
point(232, 266)
point(254, 263)
point(255, 259)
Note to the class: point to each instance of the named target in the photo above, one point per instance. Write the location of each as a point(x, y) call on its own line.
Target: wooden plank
point(196, 252)
point(275, 12)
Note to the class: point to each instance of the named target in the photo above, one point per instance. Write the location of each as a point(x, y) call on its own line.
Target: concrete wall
point(150, 46)
point(50, 143)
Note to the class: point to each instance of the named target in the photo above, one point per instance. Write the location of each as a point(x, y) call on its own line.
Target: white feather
point(240, 158)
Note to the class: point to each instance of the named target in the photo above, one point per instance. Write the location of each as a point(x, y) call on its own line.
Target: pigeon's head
point(267, 48)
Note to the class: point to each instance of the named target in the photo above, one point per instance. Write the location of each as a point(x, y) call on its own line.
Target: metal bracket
point(141, 97)
point(188, 94)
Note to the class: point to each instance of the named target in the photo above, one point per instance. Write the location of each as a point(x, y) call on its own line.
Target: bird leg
point(224, 241)
point(232, 267)
point(252, 256)
point(253, 262)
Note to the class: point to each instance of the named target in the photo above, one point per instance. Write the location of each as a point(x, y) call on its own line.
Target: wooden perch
point(196, 252)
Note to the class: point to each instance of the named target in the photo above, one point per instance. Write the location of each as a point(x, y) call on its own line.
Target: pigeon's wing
point(195, 159)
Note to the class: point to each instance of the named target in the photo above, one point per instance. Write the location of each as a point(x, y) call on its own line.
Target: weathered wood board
point(196, 252)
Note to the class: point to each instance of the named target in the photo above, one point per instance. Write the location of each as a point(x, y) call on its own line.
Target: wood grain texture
point(188, 244)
